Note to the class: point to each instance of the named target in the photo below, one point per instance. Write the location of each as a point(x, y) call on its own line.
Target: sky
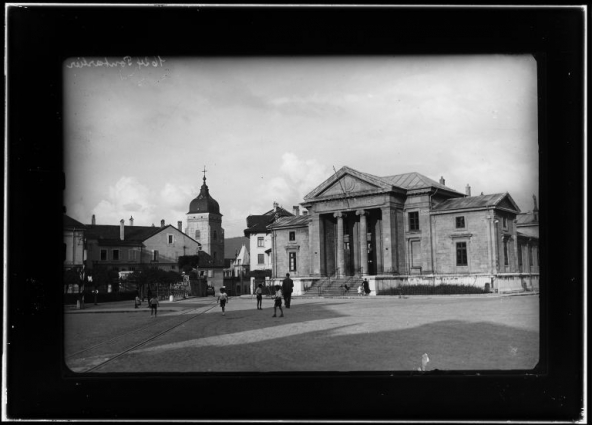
point(139, 131)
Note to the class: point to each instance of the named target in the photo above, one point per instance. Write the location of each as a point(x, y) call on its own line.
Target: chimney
point(131, 221)
point(161, 223)
point(442, 181)
point(275, 206)
point(468, 190)
point(93, 220)
point(121, 225)
point(296, 209)
point(180, 226)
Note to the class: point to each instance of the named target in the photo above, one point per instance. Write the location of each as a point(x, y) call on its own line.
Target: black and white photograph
point(274, 223)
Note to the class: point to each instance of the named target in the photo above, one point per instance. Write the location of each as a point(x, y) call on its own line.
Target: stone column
point(339, 247)
point(363, 242)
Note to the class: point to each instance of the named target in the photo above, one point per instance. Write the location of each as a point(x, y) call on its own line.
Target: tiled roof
point(528, 232)
point(70, 223)
point(415, 180)
point(132, 235)
point(301, 220)
point(481, 201)
point(207, 261)
point(259, 223)
point(526, 219)
point(232, 246)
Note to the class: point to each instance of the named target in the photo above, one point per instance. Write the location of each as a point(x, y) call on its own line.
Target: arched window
point(197, 235)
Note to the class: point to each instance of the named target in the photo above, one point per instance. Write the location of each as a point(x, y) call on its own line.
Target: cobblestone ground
point(347, 334)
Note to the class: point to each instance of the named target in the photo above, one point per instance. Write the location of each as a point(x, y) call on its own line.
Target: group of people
point(364, 288)
point(281, 292)
point(152, 302)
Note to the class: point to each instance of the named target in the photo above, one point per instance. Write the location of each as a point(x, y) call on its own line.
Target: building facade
point(260, 245)
point(74, 243)
point(398, 229)
point(131, 248)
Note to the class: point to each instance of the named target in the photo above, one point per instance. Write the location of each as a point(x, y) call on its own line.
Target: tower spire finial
point(204, 171)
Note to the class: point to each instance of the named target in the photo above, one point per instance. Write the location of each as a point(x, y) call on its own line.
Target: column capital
point(339, 214)
point(361, 212)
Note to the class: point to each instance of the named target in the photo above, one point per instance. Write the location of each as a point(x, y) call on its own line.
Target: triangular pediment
point(347, 185)
point(348, 182)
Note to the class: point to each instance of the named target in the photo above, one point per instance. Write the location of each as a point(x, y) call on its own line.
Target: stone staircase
point(334, 287)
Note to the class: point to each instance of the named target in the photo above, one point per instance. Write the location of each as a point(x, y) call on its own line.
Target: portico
point(356, 226)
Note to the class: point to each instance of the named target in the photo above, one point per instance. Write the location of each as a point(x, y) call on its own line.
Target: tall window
point(505, 252)
point(460, 222)
point(197, 234)
point(260, 242)
point(414, 220)
point(170, 239)
point(461, 254)
point(103, 255)
point(292, 261)
point(260, 258)
point(155, 256)
point(292, 236)
point(505, 222)
point(115, 255)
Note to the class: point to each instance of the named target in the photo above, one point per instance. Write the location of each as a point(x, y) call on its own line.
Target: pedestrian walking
point(360, 290)
point(222, 299)
point(287, 288)
point(138, 302)
point(278, 301)
point(154, 306)
point(259, 293)
point(149, 296)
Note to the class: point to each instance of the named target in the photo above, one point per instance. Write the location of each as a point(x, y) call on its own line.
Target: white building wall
point(255, 250)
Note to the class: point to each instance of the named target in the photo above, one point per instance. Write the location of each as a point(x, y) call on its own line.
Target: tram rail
point(125, 343)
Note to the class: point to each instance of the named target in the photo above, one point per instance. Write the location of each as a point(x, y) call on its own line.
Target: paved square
point(333, 334)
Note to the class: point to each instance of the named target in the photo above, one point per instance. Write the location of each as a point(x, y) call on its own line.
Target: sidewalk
point(128, 306)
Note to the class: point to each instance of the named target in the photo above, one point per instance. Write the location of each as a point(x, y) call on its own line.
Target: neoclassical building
point(395, 230)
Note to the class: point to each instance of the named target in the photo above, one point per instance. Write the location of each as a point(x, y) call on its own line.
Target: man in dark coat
point(366, 286)
point(287, 287)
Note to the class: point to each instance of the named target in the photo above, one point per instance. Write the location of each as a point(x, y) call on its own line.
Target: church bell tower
point(204, 223)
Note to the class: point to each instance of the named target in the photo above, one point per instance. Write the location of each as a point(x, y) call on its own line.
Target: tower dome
point(204, 203)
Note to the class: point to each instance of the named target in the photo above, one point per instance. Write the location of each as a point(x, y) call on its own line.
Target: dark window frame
point(292, 261)
point(260, 258)
point(260, 242)
point(413, 217)
point(115, 257)
point(292, 236)
point(462, 257)
point(460, 222)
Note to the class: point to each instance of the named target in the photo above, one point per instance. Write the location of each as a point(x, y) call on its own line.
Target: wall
point(74, 241)
point(501, 283)
point(476, 234)
point(255, 250)
point(284, 246)
point(207, 224)
point(168, 254)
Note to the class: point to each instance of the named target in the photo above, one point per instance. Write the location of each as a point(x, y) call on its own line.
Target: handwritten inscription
point(127, 61)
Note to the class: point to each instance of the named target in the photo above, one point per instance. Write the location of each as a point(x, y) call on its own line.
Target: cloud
point(127, 198)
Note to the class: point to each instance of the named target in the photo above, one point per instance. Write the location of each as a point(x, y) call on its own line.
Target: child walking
point(222, 299)
point(278, 301)
point(154, 306)
point(259, 293)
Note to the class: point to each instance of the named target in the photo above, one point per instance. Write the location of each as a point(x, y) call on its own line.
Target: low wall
point(301, 285)
point(501, 283)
